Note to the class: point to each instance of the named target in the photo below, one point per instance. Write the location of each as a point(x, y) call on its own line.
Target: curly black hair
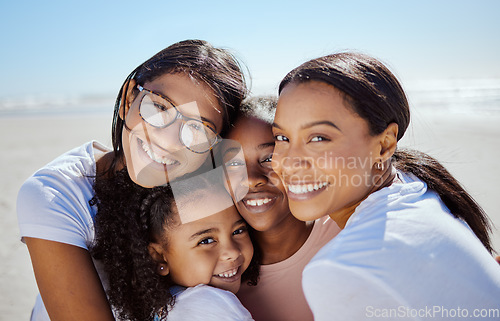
point(123, 227)
point(129, 218)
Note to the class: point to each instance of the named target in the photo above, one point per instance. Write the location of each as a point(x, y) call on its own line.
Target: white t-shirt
point(402, 255)
point(53, 204)
point(206, 303)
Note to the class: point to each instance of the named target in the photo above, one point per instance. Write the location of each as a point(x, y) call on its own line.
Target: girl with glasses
point(55, 212)
point(412, 239)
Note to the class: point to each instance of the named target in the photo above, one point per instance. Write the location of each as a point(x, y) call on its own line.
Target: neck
point(381, 179)
point(281, 242)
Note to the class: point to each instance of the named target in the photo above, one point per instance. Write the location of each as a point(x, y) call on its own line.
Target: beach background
point(456, 122)
point(63, 62)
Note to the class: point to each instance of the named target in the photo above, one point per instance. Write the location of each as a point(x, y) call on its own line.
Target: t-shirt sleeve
point(337, 292)
point(53, 206)
point(206, 303)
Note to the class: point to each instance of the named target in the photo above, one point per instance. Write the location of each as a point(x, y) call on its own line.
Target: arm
point(68, 282)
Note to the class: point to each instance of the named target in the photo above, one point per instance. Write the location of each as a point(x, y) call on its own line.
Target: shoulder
point(71, 168)
point(56, 196)
point(205, 302)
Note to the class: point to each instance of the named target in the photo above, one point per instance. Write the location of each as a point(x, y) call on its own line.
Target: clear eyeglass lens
point(157, 112)
point(196, 136)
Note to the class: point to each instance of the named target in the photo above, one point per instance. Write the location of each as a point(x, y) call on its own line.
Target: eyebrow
point(238, 222)
point(232, 149)
point(213, 230)
point(203, 232)
point(314, 123)
point(261, 146)
point(266, 145)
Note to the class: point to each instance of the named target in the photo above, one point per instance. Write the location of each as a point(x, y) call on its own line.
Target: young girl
point(285, 243)
point(169, 113)
point(401, 253)
point(168, 251)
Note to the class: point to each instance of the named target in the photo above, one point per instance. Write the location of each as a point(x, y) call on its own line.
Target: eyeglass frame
point(184, 119)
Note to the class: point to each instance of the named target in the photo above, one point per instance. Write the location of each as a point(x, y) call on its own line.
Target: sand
point(468, 145)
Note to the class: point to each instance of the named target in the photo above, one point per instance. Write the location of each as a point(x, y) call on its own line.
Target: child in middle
point(285, 244)
point(179, 255)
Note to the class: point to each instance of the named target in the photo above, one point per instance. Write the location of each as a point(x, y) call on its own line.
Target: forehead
point(201, 204)
point(251, 131)
point(182, 89)
point(302, 103)
point(221, 220)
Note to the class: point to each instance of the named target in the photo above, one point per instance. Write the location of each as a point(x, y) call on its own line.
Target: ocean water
point(478, 96)
point(458, 96)
point(54, 105)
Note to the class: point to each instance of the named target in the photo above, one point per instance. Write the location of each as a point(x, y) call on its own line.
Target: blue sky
point(89, 47)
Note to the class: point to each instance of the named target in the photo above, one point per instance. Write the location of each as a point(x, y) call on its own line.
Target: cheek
point(236, 183)
point(276, 162)
point(246, 248)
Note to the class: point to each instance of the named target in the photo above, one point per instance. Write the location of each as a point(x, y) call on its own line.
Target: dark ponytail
point(453, 195)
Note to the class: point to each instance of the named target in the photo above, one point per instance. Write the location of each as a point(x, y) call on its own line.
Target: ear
point(388, 141)
point(156, 251)
point(127, 98)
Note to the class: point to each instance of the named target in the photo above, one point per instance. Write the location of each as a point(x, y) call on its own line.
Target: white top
point(278, 294)
point(402, 255)
point(53, 204)
point(206, 303)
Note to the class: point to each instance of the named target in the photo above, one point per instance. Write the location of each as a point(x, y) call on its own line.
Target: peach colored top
point(278, 295)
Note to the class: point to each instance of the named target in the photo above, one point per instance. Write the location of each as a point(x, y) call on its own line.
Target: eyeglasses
point(158, 111)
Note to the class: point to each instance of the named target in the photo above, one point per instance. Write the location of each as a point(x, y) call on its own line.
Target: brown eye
point(280, 138)
point(319, 139)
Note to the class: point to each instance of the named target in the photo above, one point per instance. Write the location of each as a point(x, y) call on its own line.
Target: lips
point(230, 275)
point(258, 202)
point(305, 191)
point(155, 157)
point(306, 188)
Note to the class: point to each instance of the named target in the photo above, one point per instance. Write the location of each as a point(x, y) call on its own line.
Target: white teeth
point(306, 188)
point(228, 274)
point(158, 159)
point(258, 202)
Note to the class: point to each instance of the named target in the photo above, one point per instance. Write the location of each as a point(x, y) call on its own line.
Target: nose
point(290, 159)
point(230, 251)
point(255, 178)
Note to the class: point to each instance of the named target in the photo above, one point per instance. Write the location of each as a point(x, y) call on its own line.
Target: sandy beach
point(468, 145)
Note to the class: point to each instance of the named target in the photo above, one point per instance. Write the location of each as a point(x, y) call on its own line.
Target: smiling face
point(265, 205)
point(154, 156)
point(324, 153)
point(215, 250)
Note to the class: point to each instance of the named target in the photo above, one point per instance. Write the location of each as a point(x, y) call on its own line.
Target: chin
point(304, 212)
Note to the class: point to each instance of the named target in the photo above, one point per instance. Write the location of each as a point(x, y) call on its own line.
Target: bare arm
point(68, 282)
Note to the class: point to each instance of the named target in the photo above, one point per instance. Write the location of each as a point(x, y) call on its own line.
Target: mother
point(168, 115)
point(401, 252)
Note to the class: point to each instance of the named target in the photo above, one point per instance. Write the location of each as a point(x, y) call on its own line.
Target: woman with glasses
point(169, 114)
